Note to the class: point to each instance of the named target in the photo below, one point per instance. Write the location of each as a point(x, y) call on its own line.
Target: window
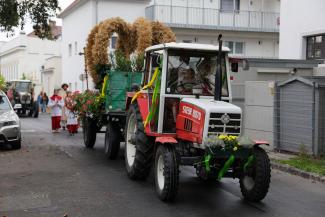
point(113, 42)
point(70, 50)
point(235, 47)
point(315, 47)
point(192, 72)
point(229, 5)
point(75, 48)
point(187, 41)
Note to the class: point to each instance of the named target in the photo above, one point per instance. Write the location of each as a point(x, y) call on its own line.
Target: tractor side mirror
point(234, 67)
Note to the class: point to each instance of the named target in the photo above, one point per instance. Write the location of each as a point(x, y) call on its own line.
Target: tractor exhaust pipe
point(218, 77)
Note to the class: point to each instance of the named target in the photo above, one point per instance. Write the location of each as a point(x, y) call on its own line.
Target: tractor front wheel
point(89, 129)
point(138, 148)
point(255, 182)
point(166, 173)
point(112, 141)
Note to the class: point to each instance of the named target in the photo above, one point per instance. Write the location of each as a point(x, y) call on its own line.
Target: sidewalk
point(276, 156)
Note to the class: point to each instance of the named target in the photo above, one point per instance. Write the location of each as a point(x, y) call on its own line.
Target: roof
point(71, 8)
point(308, 80)
point(187, 46)
point(56, 31)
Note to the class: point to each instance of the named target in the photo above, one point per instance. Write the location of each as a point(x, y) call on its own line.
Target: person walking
point(63, 94)
point(39, 99)
point(44, 102)
point(72, 120)
point(56, 104)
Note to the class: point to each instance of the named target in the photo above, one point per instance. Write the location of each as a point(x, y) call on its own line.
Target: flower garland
point(229, 144)
point(131, 38)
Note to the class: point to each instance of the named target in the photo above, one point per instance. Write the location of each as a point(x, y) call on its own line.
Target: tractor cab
point(185, 103)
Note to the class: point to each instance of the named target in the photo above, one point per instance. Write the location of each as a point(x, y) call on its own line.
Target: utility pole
point(86, 72)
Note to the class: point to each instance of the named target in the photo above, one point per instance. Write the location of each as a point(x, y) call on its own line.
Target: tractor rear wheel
point(255, 182)
point(112, 141)
point(166, 173)
point(89, 132)
point(138, 148)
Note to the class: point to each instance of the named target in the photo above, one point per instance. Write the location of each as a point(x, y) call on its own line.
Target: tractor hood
point(219, 118)
point(212, 106)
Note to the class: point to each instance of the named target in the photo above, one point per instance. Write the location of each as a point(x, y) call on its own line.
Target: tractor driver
point(181, 79)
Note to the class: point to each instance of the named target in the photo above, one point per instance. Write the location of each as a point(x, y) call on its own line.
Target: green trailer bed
point(119, 83)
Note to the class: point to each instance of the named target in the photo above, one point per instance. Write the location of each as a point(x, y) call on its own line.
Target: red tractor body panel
point(190, 123)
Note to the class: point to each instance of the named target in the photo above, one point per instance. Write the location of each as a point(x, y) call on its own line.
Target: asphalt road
point(53, 175)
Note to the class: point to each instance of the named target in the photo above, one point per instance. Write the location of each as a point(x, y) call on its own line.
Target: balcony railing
point(207, 18)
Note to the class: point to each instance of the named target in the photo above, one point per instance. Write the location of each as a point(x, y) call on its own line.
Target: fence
point(299, 115)
point(178, 16)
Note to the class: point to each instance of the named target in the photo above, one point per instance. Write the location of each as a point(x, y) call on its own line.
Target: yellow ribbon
point(154, 77)
point(104, 85)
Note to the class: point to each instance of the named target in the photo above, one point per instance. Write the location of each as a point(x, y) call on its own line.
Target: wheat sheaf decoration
point(132, 39)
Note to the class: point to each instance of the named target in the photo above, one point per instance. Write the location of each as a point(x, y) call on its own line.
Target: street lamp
point(86, 73)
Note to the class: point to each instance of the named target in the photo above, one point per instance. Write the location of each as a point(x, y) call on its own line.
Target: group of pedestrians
point(62, 115)
point(43, 101)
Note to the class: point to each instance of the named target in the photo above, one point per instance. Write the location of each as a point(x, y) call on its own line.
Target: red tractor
point(185, 103)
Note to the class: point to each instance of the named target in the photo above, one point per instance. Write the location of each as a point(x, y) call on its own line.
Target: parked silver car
point(9, 124)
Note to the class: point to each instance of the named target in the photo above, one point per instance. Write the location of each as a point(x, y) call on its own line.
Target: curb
point(294, 171)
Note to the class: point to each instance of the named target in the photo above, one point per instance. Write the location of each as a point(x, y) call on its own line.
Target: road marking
point(28, 131)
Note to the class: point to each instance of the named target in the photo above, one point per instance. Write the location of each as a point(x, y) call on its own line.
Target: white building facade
point(250, 28)
point(302, 31)
point(25, 56)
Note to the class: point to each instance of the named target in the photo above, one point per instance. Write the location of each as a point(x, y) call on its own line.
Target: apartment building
point(25, 57)
point(302, 31)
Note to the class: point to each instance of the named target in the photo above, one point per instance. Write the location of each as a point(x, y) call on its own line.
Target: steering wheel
point(183, 86)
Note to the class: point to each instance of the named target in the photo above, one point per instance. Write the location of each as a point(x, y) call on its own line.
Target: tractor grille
point(188, 125)
point(217, 126)
point(25, 99)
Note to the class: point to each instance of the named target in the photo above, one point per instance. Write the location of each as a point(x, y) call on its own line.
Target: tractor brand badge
point(192, 112)
point(225, 119)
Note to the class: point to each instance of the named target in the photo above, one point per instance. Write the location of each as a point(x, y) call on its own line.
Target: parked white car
point(9, 124)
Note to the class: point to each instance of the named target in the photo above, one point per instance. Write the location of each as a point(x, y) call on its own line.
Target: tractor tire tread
point(262, 179)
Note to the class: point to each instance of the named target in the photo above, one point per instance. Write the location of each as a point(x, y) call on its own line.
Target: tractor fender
point(166, 139)
point(261, 142)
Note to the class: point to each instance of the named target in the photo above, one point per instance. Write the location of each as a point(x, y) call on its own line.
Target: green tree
point(2, 82)
point(13, 13)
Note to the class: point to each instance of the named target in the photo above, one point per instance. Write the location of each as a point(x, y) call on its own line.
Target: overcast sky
point(28, 27)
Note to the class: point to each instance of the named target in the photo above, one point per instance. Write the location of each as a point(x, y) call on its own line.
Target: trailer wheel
point(166, 173)
point(112, 141)
point(138, 149)
point(89, 132)
point(255, 182)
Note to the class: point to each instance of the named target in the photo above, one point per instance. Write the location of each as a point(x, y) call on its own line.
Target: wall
point(52, 74)
point(109, 9)
point(257, 45)
point(259, 109)
point(73, 66)
point(299, 19)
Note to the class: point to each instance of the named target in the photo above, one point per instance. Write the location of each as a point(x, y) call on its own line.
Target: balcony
point(207, 18)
